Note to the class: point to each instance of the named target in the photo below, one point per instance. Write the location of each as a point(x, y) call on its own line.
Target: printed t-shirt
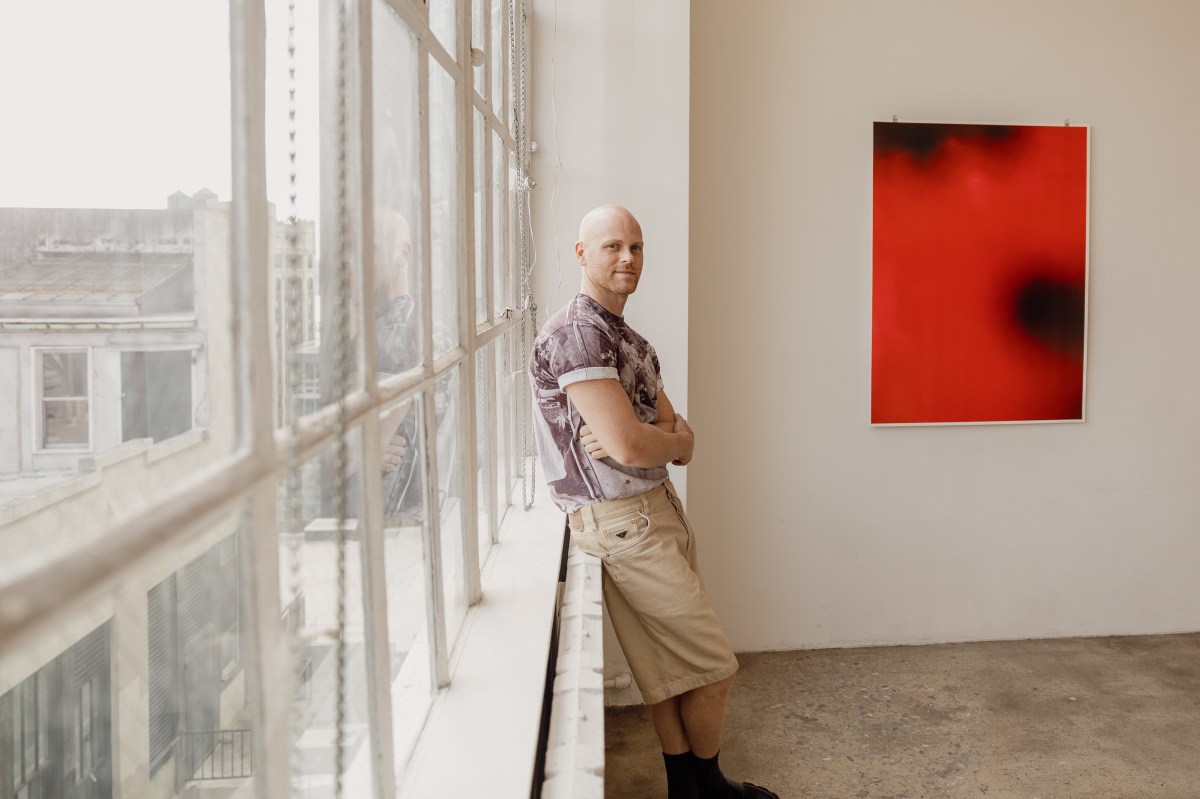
point(586, 341)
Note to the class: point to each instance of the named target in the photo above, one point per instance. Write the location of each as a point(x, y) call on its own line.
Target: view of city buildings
point(109, 323)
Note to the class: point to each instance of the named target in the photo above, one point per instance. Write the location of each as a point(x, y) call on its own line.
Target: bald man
point(605, 432)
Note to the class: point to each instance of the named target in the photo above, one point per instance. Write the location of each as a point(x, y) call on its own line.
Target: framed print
point(979, 263)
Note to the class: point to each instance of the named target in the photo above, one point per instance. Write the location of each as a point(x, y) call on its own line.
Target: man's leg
point(703, 713)
point(677, 756)
point(700, 719)
point(668, 723)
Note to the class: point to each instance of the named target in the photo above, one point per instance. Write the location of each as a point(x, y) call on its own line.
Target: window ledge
point(481, 736)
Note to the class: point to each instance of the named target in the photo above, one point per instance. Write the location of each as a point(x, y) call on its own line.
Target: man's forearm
point(655, 446)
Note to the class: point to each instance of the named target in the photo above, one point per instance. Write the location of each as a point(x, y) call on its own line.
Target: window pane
point(482, 196)
point(405, 521)
point(311, 580)
point(504, 425)
point(119, 240)
point(157, 394)
point(398, 213)
point(501, 199)
point(447, 400)
point(443, 174)
point(443, 21)
point(499, 54)
point(64, 374)
point(304, 357)
point(65, 423)
point(485, 476)
point(478, 28)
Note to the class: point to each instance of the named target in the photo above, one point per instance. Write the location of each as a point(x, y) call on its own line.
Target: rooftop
point(103, 284)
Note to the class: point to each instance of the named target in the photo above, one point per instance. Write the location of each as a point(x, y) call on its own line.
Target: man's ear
point(581, 252)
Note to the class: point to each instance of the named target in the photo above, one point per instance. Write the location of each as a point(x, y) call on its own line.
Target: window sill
point(481, 735)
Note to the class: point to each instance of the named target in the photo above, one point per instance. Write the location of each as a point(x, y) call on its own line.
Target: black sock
point(712, 784)
point(681, 778)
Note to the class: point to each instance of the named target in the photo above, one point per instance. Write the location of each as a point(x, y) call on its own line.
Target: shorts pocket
point(619, 535)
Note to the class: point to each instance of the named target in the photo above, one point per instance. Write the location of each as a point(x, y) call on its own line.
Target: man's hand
point(592, 443)
point(393, 452)
point(681, 426)
point(392, 444)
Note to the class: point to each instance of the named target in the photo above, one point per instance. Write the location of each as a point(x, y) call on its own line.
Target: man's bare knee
point(716, 689)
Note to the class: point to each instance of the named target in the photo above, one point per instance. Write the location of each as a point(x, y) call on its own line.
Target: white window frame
point(248, 477)
point(38, 408)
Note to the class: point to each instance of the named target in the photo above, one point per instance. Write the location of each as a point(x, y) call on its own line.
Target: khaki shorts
point(653, 592)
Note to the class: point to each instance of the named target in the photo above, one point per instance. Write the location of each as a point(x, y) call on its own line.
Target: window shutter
point(164, 671)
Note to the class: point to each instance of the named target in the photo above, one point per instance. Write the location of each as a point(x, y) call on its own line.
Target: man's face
point(611, 253)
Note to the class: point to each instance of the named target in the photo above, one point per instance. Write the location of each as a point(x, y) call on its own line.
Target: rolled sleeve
point(577, 352)
point(587, 373)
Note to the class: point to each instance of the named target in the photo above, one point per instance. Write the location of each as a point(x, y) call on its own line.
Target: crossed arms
point(611, 430)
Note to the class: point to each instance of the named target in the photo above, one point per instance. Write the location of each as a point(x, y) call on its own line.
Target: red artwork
point(980, 273)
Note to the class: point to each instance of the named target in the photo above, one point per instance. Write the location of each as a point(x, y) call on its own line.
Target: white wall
point(609, 95)
point(818, 530)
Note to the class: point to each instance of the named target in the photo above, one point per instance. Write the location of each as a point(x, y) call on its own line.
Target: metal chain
point(291, 409)
point(342, 356)
point(528, 321)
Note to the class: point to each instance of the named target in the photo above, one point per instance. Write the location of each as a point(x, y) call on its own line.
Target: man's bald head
point(610, 254)
point(601, 219)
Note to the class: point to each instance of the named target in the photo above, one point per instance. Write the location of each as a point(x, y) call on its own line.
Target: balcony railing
point(216, 754)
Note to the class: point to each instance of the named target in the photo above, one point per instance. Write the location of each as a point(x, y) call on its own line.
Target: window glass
point(479, 49)
point(504, 425)
point(443, 20)
point(64, 399)
point(448, 402)
point(443, 176)
point(501, 202)
point(405, 526)
point(485, 474)
point(482, 198)
point(499, 55)
point(305, 263)
point(312, 577)
point(398, 215)
point(114, 246)
point(156, 397)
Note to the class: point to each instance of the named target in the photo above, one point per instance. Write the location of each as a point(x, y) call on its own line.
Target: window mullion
point(414, 13)
point(270, 698)
point(371, 552)
point(466, 316)
point(435, 600)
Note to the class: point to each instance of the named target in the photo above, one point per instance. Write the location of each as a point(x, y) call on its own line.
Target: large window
point(266, 367)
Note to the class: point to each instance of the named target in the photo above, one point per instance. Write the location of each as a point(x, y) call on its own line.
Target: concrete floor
point(1082, 718)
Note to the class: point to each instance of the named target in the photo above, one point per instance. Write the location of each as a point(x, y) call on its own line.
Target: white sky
point(119, 103)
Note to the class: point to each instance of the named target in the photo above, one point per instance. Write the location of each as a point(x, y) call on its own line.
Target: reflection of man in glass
point(397, 339)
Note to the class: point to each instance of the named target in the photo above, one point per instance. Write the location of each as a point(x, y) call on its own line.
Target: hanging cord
point(343, 355)
point(528, 321)
point(291, 414)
